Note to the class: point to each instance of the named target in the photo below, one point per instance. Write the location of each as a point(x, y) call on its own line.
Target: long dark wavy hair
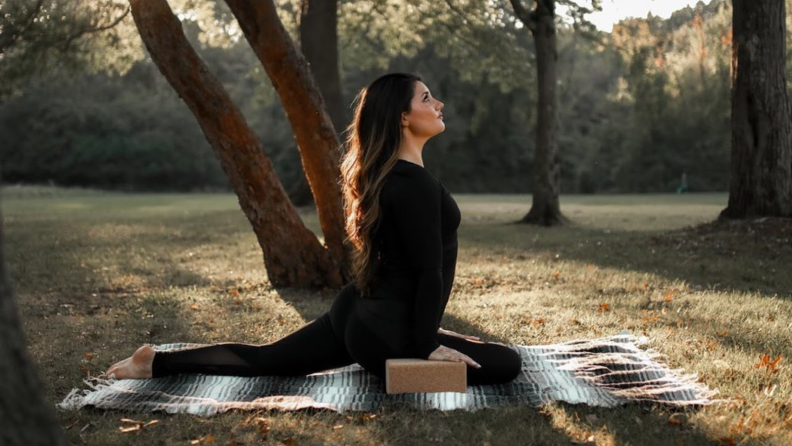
point(372, 146)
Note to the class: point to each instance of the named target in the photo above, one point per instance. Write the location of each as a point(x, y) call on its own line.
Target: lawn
point(97, 274)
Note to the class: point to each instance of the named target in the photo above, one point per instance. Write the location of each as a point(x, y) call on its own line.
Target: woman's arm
point(416, 212)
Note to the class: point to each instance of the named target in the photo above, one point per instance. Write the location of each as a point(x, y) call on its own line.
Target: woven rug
point(602, 372)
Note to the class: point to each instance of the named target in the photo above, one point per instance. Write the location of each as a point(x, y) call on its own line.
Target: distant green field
point(98, 274)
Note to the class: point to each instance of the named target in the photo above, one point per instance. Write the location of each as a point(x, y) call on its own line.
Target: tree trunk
point(545, 209)
point(761, 172)
point(26, 418)
point(319, 45)
point(293, 255)
point(305, 109)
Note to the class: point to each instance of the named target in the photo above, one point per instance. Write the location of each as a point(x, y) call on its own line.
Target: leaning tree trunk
point(25, 416)
point(305, 109)
point(293, 255)
point(761, 165)
point(545, 209)
point(319, 45)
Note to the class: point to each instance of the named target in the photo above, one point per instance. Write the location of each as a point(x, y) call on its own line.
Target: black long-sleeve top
point(417, 241)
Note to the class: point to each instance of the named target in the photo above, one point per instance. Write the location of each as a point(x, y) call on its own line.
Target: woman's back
point(417, 241)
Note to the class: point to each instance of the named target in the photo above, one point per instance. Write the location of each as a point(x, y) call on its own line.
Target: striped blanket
point(602, 372)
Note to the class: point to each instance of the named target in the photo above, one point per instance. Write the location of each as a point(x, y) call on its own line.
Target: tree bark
point(545, 209)
point(293, 255)
point(305, 108)
point(25, 416)
point(761, 165)
point(319, 45)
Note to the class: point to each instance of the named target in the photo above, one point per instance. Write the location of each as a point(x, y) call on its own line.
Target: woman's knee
point(513, 364)
point(503, 365)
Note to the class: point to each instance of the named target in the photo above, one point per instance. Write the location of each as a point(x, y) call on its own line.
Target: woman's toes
point(115, 368)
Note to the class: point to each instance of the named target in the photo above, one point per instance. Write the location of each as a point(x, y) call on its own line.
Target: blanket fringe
point(76, 398)
point(618, 365)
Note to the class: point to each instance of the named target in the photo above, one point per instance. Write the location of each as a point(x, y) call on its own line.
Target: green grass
point(97, 274)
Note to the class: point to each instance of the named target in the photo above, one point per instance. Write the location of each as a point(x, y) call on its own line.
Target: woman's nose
point(440, 105)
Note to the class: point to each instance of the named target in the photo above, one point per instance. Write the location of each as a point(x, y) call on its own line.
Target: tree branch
point(90, 30)
point(28, 22)
point(527, 17)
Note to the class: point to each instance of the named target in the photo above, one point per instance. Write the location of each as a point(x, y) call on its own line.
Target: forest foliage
point(638, 106)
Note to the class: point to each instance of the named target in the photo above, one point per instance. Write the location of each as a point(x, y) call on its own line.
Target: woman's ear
point(404, 121)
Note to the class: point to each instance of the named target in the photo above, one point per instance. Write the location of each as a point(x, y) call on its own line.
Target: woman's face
point(425, 118)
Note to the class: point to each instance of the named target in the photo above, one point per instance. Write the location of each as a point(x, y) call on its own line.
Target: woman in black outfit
point(402, 224)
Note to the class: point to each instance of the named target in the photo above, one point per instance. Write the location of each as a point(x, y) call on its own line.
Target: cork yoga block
point(407, 375)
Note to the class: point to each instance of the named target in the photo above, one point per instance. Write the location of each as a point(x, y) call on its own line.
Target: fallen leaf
point(650, 319)
point(194, 307)
point(737, 429)
point(770, 364)
point(88, 356)
point(209, 439)
point(556, 275)
point(134, 425)
point(678, 419)
point(338, 426)
point(289, 441)
point(603, 307)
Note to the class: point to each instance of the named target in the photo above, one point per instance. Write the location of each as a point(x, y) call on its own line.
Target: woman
point(402, 223)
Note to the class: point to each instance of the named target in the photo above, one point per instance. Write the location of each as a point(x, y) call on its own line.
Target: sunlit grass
point(101, 273)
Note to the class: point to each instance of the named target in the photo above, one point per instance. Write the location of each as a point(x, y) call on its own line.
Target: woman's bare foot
point(138, 366)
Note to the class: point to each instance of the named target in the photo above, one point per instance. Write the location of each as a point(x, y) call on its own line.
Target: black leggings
point(336, 339)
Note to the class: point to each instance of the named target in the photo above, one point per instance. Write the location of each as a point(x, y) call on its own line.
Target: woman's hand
point(444, 353)
point(453, 333)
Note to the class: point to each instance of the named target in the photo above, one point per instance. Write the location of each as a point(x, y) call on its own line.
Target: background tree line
point(637, 107)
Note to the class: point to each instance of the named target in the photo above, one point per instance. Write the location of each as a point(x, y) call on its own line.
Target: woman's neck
point(411, 150)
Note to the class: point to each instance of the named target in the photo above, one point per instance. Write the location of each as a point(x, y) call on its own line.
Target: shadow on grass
point(115, 256)
point(742, 257)
point(630, 424)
